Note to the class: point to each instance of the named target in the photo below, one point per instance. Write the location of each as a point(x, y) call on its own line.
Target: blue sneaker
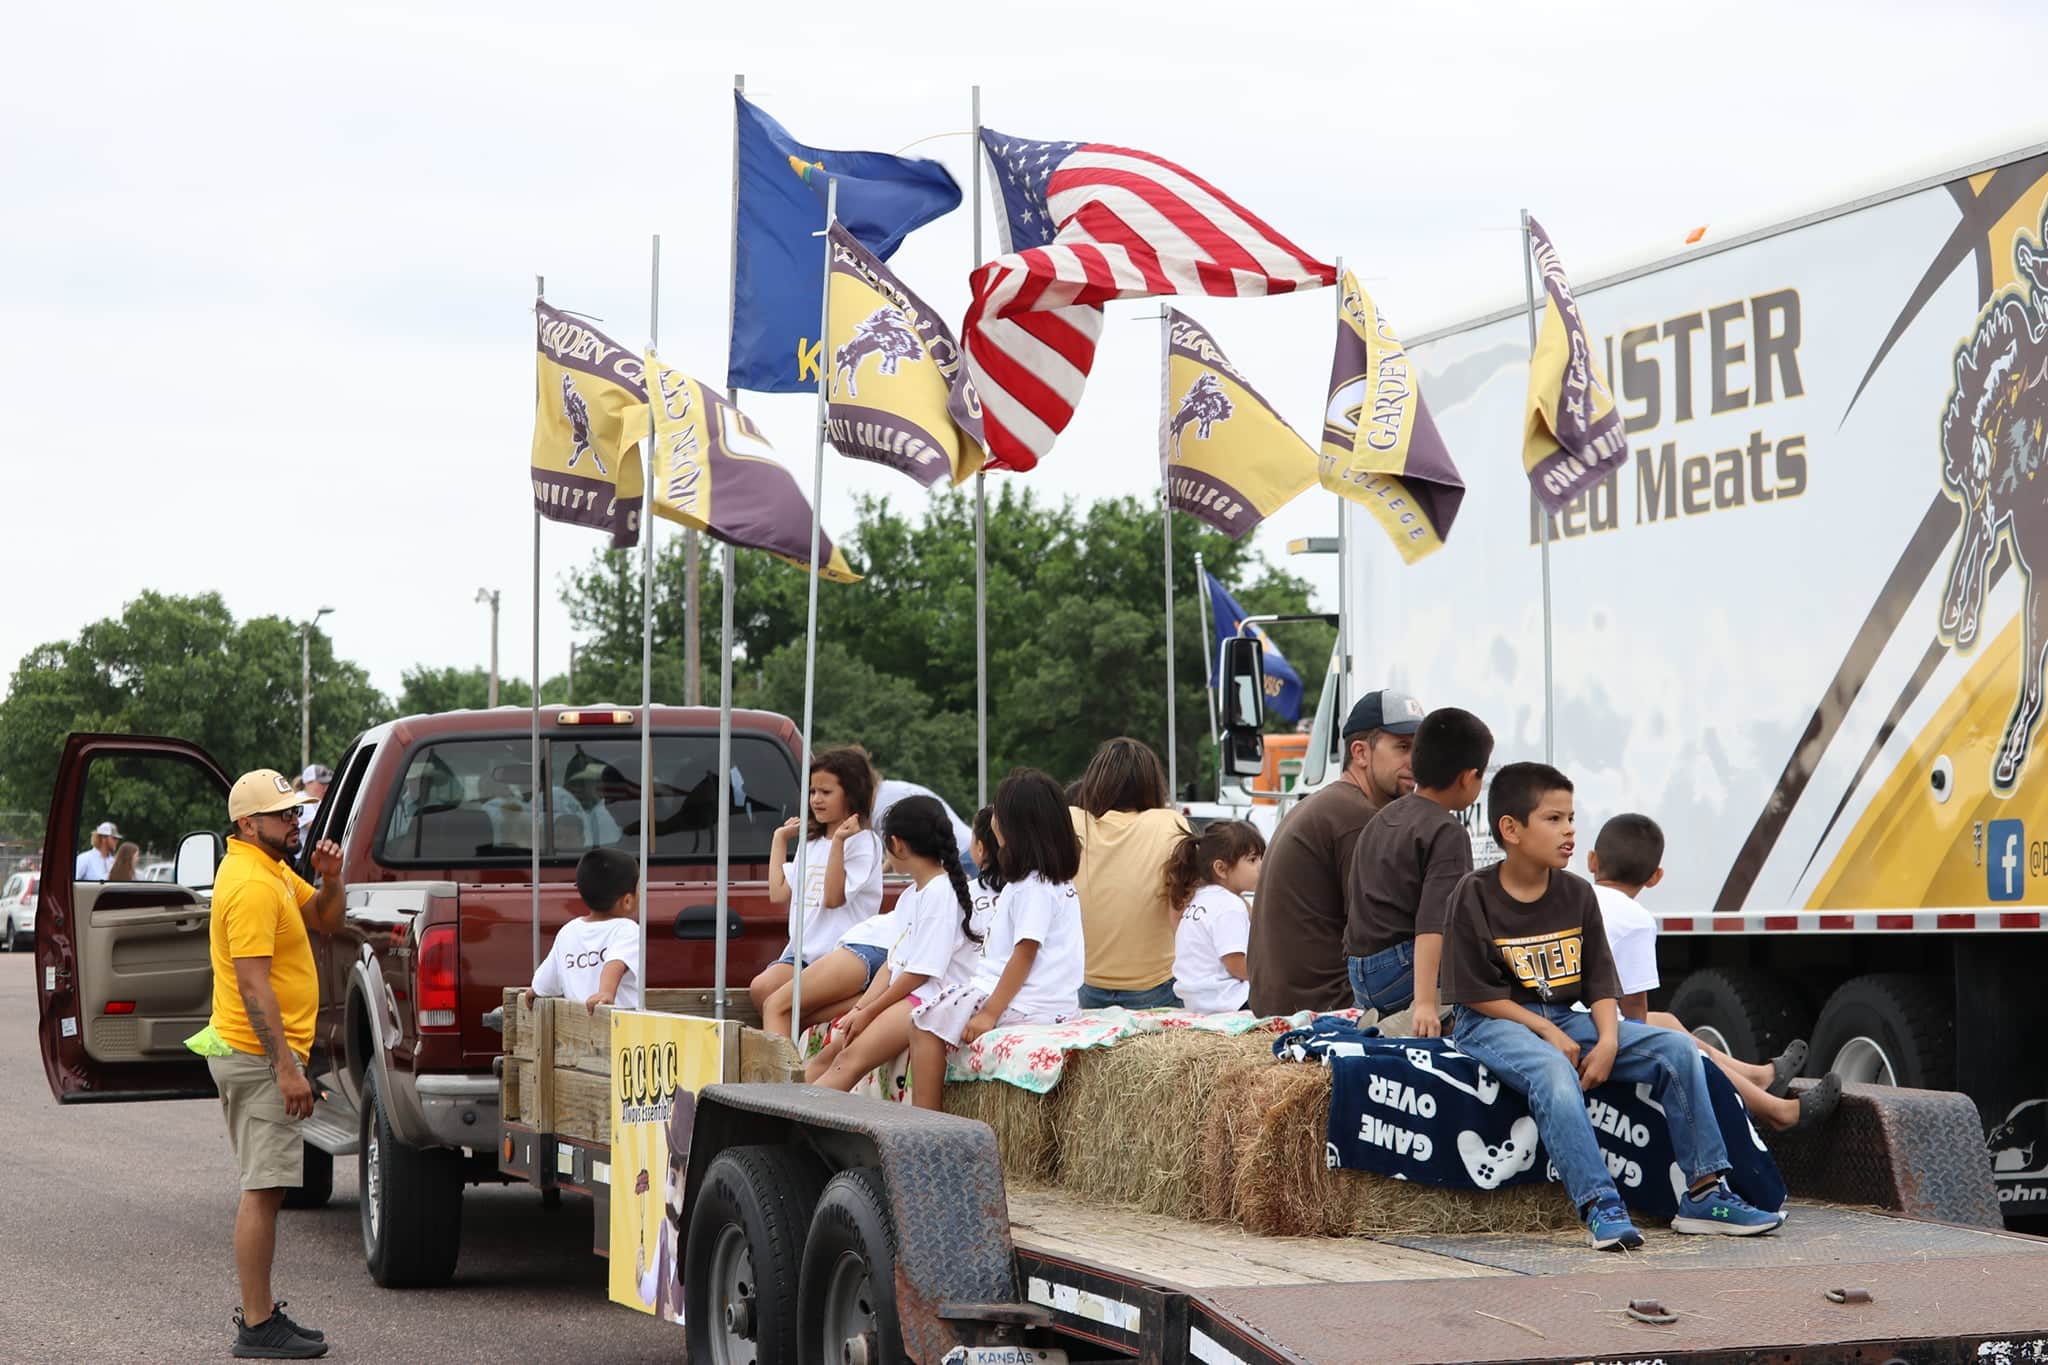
point(1607, 1224)
point(1720, 1210)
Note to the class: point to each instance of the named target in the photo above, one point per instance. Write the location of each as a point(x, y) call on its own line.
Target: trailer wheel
point(411, 1201)
point(316, 1185)
point(744, 1253)
point(847, 1303)
point(1886, 1029)
point(1746, 1013)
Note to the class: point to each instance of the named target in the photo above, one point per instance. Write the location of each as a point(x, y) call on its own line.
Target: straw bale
point(1024, 1124)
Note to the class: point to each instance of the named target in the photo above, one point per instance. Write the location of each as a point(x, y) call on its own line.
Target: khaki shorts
point(267, 1144)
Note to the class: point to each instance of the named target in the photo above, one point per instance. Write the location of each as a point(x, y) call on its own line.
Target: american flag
point(1083, 223)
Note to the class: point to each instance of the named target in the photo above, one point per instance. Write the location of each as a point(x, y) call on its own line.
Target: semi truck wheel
point(1887, 1029)
point(743, 1255)
point(316, 1186)
point(1748, 1014)
point(411, 1200)
point(846, 1302)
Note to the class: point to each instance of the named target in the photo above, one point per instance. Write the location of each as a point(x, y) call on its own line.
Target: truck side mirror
point(1243, 685)
point(199, 855)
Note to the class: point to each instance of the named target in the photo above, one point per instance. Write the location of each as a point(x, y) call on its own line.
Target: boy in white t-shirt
point(1625, 862)
point(596, 958)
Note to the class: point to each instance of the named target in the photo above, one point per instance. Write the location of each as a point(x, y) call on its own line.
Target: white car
point(18, 912)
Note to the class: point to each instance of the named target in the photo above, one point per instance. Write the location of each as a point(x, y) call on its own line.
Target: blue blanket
point(1418, 1109)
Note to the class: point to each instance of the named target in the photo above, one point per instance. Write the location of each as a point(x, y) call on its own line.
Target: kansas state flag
point(1283, 684)
point(780, 276)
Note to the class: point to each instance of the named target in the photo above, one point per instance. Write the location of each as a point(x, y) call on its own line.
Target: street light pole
point(490, 595)
point(306, 687)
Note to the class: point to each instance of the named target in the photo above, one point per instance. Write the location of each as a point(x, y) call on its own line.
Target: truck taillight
point(434, 991)
point(608, 716)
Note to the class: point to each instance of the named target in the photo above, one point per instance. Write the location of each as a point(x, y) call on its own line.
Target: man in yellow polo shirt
point(266, 995)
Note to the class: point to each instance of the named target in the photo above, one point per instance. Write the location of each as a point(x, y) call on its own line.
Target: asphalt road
point(115, 1227)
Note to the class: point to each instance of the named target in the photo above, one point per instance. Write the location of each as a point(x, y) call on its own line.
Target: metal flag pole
point(647, 614)
point(1166, 542)
point(1208, 638)
point(540, 291)
point(1344, 604)
point(803, 871)
point(1549, 708)
point(725, 566)
point(980, 532)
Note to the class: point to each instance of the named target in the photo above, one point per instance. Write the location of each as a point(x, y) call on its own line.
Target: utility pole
point(306, 687)
point(490, 595)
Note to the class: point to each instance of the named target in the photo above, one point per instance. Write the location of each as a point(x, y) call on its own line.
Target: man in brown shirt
point(1401, 872)
point(1296, 955)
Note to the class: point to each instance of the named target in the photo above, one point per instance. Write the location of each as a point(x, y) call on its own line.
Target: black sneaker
point(273, 1339)
point(307, 1332)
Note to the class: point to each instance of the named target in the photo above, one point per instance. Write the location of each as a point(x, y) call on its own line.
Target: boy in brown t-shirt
point(1523, 942)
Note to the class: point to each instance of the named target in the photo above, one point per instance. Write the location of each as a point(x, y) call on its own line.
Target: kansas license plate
point(1004, 1355)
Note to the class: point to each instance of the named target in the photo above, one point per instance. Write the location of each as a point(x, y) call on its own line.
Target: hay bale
point(1283, 1186)
point(1226, 1129)
point(1024, 1124)
point(1131, 1116)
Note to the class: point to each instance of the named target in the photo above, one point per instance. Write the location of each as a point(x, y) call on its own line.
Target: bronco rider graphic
point(1205, 405)
point(881, 333)
point(1994, 439)
point(578, 413)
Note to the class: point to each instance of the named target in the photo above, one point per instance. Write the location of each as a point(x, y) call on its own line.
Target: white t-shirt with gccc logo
point(574, 966)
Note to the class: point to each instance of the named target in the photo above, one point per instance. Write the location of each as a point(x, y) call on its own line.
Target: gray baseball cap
point(1395, 712)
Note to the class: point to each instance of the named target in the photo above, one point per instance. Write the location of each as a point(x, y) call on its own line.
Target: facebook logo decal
point(2005, 860)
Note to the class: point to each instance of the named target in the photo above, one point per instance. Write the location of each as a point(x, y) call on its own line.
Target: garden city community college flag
point(1227, 457)
point(900, 392)
point(714, 472)
point(589, 416)
point(1083, 223)
point(1381, 449)
point(1574, 435)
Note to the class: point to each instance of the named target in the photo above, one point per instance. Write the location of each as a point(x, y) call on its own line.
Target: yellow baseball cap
point(262, 792)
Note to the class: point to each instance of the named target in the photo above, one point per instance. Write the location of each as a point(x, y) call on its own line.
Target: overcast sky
point(269, 267)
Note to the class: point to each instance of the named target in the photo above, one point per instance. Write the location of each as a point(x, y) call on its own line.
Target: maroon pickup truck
point(434, 817)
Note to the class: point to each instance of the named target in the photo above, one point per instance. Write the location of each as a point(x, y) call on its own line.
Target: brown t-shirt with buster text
point(1296, 956)
point(1398, 883)
point(1552, 950)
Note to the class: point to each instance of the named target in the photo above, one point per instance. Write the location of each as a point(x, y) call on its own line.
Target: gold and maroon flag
point(1574, 436)
point(589, 416)
point(1381, 448)
point(1227, 457)
point(900, 392)
point(715, 472)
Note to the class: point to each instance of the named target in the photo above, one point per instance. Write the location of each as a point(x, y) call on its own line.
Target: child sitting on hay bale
point(1206, 884)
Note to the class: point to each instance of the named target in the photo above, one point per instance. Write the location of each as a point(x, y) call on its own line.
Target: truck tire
point(846, 1298)
point(743, 1255)
point(1747, 1013)
point(1887, 1029)
point(316, 1185)
point(411, 1200)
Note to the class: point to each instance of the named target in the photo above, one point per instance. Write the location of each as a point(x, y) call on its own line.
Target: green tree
point(428, 691)
point(183, 667)
point(1075, 626)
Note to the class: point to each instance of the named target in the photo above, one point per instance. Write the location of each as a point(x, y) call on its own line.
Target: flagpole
point(1543, 513)
point(796, 986)
point(1343, 569)
point(540, 291)
point(980, 532)
point(647, 613)
point(1166, 544)
point(726, 566)
point(1209, 663)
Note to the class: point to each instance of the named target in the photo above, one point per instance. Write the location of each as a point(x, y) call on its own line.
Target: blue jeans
point(1386, 980)
point(1160, 997)
point(1664, 1059)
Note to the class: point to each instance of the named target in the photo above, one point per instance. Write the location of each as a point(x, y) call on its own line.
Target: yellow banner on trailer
point(659, 1063)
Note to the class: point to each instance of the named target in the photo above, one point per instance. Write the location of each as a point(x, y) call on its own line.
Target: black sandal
point(1785, 1066)
point(1818, 1103)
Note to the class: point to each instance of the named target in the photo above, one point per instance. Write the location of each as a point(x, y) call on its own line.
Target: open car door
point(124, 970)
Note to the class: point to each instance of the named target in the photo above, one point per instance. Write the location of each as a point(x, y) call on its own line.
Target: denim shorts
point(1159, 997)
point(872, 954)
point(1384, 981)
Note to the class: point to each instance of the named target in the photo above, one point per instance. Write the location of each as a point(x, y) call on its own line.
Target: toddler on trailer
point(842, 877)
point(1030, 971)
point(1625, 862)
point(1523, 942)
point(595, 958)
point(939, 930)
point(1206, 883)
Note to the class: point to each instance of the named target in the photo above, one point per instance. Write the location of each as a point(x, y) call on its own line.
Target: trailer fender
point(943, 1179)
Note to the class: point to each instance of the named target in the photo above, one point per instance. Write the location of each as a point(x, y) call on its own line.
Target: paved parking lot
point(115, 1245)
